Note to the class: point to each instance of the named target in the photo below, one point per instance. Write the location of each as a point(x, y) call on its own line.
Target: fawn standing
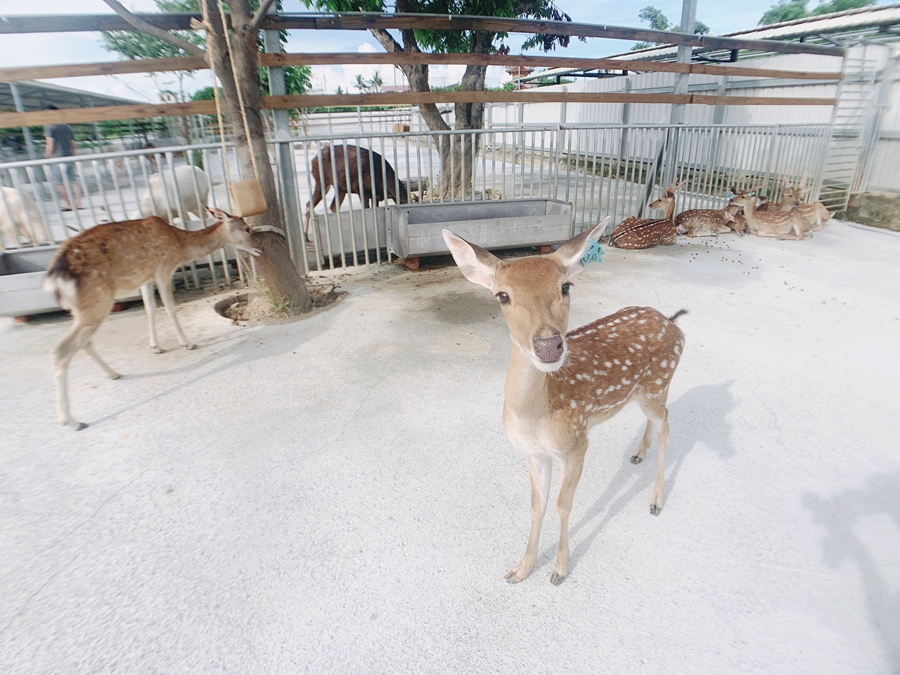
point(89, 270)
point(561, 384)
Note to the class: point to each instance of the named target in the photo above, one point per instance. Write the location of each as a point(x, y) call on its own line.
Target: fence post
point(284, 154)
point(562, 122)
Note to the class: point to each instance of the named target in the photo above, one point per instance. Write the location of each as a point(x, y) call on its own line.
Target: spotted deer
point(705, 222)
point(778, 224)
point(560, 384)
point(649, 232)
point(90, 269)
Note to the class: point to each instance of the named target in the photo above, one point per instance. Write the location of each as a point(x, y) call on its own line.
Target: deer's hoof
point(655, 510)
point(190, 346)
point(115, 376)
point(156, 350)
point(557, 578)
point(517, 575)
point(637, 459)
point(76, 426)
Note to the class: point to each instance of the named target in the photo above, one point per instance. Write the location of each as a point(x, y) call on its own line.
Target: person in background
point(61, 143)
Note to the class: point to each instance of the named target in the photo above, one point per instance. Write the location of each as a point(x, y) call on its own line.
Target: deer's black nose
point(548, 349)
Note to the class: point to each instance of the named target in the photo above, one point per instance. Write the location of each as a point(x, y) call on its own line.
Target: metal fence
point(603, 170)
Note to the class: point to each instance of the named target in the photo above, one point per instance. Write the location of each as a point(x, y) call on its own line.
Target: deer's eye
point(247, 230)
point(565, 288)
point(502, 297)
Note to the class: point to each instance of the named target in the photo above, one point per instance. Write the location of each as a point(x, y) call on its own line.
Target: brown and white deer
point(632, 233)
point(90, 269)
point(778, 224)
point(560, 384)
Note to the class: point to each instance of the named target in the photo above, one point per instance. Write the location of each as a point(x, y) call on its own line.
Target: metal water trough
point(415, 229)
point(21, 273)
point(359, 231)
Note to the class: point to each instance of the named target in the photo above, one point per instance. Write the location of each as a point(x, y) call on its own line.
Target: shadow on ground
point(632, 481)
point(842, 519)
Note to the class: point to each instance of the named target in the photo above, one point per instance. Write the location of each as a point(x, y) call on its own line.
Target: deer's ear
point(474, 262)
point(570, 255)
point(219, 215)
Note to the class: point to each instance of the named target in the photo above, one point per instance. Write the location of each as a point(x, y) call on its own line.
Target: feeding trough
point(346, 232)
point(415, 229)
point(21, 273)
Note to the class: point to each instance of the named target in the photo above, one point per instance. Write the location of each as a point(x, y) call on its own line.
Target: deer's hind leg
point(85, 324)
point(654, 408)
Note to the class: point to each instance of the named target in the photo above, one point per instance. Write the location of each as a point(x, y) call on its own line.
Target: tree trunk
point(457, 151)
point(276, 270)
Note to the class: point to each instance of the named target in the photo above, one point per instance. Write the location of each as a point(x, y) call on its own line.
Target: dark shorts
point(57, 169)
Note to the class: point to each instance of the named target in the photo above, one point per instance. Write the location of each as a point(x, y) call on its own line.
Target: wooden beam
point(105, 113)
point(369, 20)
point(126, 112)
point(417, 58)
point(76, 23)
point(18, 74)
point(530, 96)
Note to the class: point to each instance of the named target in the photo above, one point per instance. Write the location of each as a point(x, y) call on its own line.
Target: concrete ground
point(336, 494)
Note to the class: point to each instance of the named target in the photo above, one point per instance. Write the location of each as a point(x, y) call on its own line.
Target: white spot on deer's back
point(573, 403)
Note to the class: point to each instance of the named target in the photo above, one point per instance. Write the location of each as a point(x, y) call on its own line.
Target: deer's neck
point(526, 386)
point(203, 242)
point(670, 210)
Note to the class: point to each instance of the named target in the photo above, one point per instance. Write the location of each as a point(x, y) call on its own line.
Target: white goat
point(20, 215)
point(192, 190)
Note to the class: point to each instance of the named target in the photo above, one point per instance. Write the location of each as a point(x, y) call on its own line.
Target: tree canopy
point(791, 10)
point(658, 21)
point(138, 45)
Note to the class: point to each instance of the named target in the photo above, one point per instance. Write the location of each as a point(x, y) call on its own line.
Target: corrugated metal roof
point(38, 95)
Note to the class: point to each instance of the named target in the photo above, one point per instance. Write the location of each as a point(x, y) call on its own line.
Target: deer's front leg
point(540, 469)
point(571, 474)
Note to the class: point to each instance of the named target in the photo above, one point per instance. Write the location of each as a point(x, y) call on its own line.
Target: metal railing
point(603, 170)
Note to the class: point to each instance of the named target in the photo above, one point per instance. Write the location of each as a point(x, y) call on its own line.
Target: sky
point(721, 16)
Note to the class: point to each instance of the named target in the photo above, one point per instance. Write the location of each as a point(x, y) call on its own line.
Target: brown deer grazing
point(362, 164)
point(649, 232)
point(89, 270)
point(560, 384)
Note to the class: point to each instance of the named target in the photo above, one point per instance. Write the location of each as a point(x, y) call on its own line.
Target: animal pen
point(605, 147)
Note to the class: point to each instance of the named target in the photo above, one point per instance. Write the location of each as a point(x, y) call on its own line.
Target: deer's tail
point(677, 314)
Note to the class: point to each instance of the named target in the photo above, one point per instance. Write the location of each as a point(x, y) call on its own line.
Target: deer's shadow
point(688, 430)
point(840, 516)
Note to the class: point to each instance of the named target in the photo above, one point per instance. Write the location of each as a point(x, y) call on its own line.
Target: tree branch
point(260, 15)
point(386, 40)
point(150, 29)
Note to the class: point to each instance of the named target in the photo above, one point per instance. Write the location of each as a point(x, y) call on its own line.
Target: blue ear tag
point(593, 253)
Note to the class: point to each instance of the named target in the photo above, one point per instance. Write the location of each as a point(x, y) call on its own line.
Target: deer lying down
point(561, 384)
point(649, 232)
point(89, 270)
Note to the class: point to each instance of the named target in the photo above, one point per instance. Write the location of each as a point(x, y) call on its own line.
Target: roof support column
point(20, 107)
point(688, 20)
